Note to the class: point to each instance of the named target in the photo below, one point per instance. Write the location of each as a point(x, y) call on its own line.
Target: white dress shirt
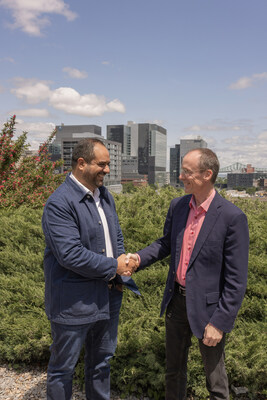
point(95, 195)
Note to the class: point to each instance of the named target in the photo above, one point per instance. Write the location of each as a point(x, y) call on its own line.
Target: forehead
point(100, 152)
point(191, 160)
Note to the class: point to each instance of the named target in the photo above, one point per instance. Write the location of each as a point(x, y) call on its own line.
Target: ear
point(208, 174)
point(81, 163)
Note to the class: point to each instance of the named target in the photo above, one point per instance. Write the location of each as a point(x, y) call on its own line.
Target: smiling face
point(195, 180)
point(92, 174)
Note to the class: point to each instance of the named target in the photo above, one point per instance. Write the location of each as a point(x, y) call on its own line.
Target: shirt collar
point(203, 206)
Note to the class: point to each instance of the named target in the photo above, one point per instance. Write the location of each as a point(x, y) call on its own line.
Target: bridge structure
point(238, 167)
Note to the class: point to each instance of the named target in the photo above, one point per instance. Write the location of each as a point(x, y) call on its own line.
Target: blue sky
point(196, 67)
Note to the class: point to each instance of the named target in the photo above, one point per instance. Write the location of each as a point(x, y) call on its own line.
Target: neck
point(80, 179)
point(201, 197)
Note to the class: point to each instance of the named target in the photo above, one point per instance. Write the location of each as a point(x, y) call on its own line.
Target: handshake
point(127, 264)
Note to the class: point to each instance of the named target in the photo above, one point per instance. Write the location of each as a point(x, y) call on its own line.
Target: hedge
point(138, 366)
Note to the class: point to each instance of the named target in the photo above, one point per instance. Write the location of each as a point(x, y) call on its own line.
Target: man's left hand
point(212, 335)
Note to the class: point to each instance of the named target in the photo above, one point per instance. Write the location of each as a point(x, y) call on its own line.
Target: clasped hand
point(127, 264)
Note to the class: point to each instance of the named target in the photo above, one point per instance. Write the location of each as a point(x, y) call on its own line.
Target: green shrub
point(24, 329)
point(139, 364)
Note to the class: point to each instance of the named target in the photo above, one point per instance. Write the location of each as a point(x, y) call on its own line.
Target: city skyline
point(194, 68)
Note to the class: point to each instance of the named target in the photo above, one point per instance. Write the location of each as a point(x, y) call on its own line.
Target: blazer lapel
point(209, 221)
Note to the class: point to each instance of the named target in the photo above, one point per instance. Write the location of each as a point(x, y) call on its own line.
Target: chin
point(187, 189)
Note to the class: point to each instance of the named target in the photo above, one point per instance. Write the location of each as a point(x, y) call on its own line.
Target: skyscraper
point(147, 142)
point(121, 134)
point(174, 165)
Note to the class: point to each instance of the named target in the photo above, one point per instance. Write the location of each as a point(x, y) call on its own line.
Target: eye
point(103, 165)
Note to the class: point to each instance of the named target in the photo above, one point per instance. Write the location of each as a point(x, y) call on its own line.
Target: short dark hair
point(208, 160)
point(85, 149)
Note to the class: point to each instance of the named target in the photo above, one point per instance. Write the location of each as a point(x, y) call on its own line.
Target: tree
point(25, 180)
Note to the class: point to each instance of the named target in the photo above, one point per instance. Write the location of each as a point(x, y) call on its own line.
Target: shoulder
point(227, 206)
point(67, 193)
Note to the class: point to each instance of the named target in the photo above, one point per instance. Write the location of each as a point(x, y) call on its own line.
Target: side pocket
point(212, 297)
point(78, 299)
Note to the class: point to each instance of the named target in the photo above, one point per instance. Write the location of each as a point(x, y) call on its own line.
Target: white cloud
point(65, 98)
point(75, 73)
point(31, 90)
point(31, 15)
point(32, 112)
point(246, 82)
point(88, 105)
point(38, 132)
point(263, 136)
point(246, 149)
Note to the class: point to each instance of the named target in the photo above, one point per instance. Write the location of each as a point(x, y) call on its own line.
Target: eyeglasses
point(187, 172)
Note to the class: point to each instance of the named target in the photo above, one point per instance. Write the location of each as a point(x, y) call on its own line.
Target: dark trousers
point(99, 339)
point(178, 341)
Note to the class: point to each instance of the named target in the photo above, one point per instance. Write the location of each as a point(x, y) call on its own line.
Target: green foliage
point(25, 180)
point(24, 329)
point(142, 214)
point(139, 364)
point(128, 188)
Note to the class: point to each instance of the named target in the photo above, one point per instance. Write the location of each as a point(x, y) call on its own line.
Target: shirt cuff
point(139, 258)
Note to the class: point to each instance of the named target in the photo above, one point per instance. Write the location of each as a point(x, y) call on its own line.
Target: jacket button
point(170, 290)
point(103, 250)
point(99, 222)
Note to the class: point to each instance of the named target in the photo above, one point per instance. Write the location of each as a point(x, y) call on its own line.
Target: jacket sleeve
point(63, 239)
point(236, 248)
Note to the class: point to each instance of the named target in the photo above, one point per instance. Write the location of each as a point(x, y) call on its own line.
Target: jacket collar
point(209, 221)
point(79, 191)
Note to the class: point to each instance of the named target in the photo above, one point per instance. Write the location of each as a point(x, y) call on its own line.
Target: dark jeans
point(100, 340)
point(178, 341)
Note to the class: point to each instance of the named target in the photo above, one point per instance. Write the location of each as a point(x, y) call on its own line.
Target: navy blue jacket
point(77, 270)
point(217, 272)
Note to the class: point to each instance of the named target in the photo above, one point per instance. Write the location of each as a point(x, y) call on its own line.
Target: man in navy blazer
point(207, 237)
point(84, 258)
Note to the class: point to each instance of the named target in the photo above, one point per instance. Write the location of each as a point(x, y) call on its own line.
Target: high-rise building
point(174, 165)
point(190, 144)
point(69, 135)
point(121, 134)
point(147, 142)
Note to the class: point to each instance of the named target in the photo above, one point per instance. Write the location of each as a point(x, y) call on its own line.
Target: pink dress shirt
point(194, 223)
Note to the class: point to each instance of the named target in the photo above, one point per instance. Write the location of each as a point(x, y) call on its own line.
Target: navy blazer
point(77, 270)
point(217, 272)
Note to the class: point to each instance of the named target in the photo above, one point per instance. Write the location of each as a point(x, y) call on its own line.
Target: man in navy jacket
point(207, 237)
point(84, 258)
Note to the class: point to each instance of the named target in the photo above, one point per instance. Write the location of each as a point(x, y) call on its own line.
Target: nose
point(106, 169)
